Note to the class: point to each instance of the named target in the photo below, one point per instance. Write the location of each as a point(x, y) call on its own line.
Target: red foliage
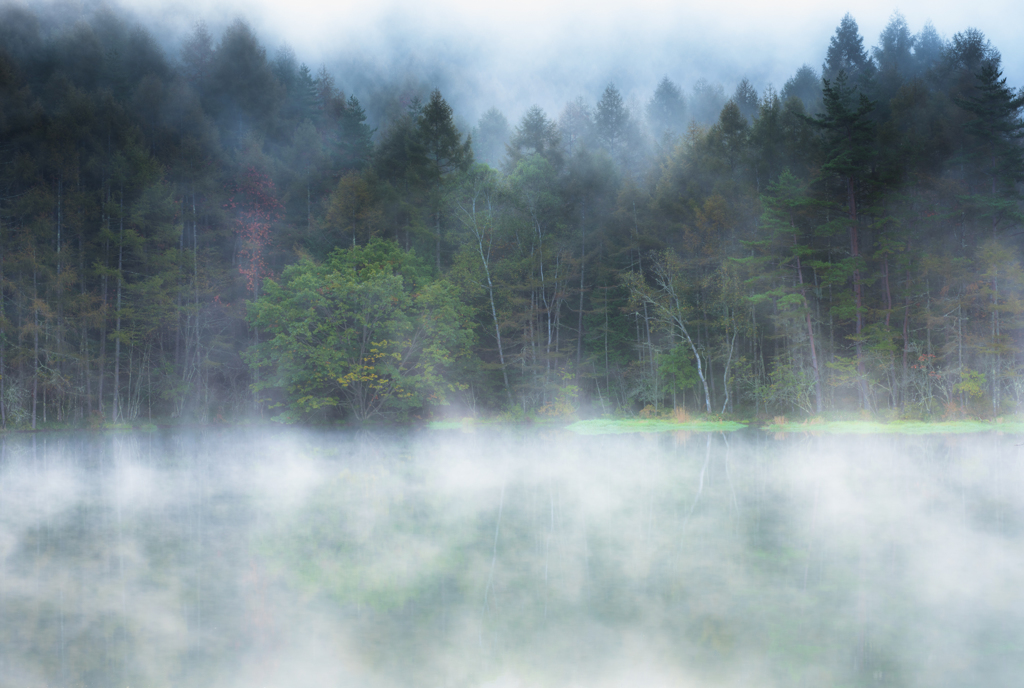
point(258, 209)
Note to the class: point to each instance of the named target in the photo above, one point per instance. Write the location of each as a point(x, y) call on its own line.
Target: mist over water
point(509, 558)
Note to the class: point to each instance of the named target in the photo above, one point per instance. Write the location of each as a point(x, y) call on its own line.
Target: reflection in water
point(509, 558)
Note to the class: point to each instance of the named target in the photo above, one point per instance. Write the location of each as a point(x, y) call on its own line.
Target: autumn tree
point(256, 209)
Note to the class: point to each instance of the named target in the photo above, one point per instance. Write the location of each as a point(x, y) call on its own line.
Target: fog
point(508, 558)
point(515, 55)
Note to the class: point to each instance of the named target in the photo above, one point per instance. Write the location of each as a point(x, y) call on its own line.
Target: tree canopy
point(216, 232)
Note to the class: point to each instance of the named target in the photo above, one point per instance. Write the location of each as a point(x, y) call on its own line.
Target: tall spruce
point(445, 153)
point(997, 129)
point(848, 152)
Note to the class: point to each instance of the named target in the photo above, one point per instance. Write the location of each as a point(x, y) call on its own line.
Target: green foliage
point(362, 331)
point(606, 267)
point(677, 366)
point(972, 383)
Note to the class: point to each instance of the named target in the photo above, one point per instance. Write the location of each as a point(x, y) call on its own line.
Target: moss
point(445, 425)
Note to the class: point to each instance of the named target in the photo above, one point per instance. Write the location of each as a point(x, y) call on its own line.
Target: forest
point(219, 234)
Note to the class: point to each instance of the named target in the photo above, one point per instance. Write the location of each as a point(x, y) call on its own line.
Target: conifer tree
point(356, 137)
point(612, 120)
point(846, 53)
point(197, 55)
point(928, 48)
point(576, 125)
point(535, 135)
point(997, 129)
point(707, 102)
point(489, 139)
point(745, 98)
point(666, 109)
point(894, 52)
point(445, 153)
point(849, 135)
point(806, 86)
point(786, 207)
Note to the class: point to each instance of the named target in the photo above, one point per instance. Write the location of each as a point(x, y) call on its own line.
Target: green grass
point(906, 427)
point(605, 426)
point(446, 425)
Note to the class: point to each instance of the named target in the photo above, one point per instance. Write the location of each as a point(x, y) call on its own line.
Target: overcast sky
point(513, 54)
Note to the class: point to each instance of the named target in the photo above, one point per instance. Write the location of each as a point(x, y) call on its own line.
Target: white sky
point(515, 53)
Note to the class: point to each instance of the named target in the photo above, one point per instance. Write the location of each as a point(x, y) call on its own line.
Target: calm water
point(501, 558)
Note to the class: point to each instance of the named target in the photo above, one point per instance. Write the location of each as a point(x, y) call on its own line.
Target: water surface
point(509, 558)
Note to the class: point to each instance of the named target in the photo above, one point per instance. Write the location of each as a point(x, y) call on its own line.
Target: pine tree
point(305, 95)
point(786, 207)
point(968, 50)
point(197, 54)
point(356, 137)
point(243, 92)
point(612, 120)
point(535, 135)
point(745, 98)
point(445, 153)
point(729, 137)
point(576, 125)
point(806, 86)
point(849, 135)
point(666, 109)
point(489, 139)
point(707, 101)
point(894, 52)
point(997, 129)
point(846, 53)
point(928, 48)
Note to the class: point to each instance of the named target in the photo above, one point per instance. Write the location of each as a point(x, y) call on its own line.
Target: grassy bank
point(908, 427)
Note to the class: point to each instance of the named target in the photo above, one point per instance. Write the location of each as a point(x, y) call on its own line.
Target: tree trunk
point(728, 362)
point(59, 343)
point(607, 375)
point(855, 253)
point(84, 334)
point(35, 349)
point(115, 406)
point(996, 401)
point(810, 337)
point(583, 265)
point(906, 341)
point(700, 367)
point(3, 409)
point(485, 261)
point(888, 294)
point(103, 338)
point(177, 310)
point(437, 232)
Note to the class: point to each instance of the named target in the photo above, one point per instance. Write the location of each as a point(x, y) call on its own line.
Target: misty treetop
point(221, 232)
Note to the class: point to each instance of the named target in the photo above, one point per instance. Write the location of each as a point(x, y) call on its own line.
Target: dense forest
point(219, 234)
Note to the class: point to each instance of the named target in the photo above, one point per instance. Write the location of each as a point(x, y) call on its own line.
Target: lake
point(510, 557)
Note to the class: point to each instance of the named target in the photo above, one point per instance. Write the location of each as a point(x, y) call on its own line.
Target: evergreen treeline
point(219, 233)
